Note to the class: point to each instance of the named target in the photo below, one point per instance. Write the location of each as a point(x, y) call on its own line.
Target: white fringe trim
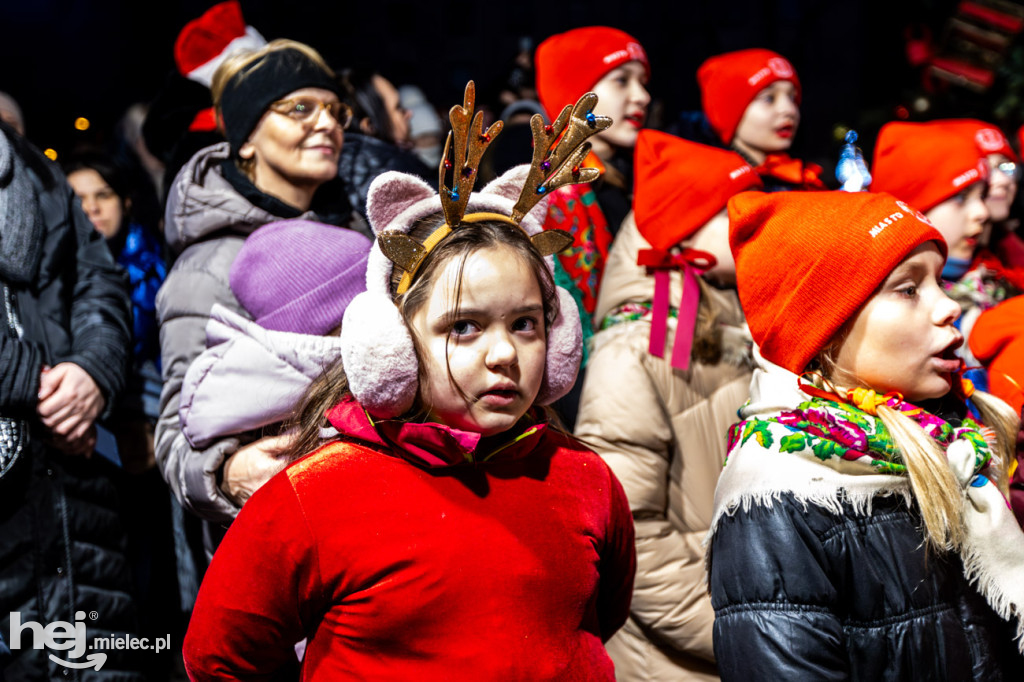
point(992, 555)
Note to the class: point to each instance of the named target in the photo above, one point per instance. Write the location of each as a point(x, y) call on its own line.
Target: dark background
point(67, 58)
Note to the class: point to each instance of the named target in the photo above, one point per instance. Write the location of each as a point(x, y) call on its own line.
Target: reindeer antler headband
point(558, 152)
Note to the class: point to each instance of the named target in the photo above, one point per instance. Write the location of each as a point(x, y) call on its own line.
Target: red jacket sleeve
point(261, 594)
point(618, 563)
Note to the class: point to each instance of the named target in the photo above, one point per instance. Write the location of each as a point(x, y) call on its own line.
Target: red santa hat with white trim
point(208, 40)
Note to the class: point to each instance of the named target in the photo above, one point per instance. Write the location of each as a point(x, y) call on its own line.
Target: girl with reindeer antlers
point(446, 530)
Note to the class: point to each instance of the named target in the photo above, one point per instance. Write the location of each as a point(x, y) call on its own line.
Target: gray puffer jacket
point(207, 221)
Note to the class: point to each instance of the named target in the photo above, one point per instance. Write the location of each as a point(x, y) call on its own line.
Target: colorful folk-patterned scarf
point(830, 430)
point(854, 444)
point(574, 208)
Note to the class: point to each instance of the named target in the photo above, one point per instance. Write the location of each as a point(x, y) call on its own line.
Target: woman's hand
point(69, 402)
point(253, 465)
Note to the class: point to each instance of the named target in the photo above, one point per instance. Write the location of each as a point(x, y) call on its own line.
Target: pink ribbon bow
point(661, 263)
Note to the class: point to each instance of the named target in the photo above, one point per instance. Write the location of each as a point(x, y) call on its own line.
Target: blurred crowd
point(173, 299)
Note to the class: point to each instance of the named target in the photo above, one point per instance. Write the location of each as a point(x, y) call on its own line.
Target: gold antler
point(470, 142)
point(559, 149)
point(557, 157)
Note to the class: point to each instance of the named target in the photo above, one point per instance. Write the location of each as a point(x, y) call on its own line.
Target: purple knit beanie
point(299, 276)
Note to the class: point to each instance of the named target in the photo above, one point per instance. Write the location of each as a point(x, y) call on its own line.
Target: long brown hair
point(332, 386)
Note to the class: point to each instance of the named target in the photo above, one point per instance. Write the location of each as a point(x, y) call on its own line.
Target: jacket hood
point(434, 445)
point(202, 202)
point(248, 377)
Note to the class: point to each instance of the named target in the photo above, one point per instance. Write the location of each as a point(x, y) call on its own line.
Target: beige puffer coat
point(663, 433)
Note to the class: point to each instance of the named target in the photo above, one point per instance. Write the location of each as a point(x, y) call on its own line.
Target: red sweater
point(516, 568)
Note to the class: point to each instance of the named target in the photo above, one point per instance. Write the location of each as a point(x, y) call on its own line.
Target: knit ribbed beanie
point(988, 138)
point(729, 82)
point(569, 64)
point(681, 185)
point(924, 164)
point(807, 261)
point(299, 276)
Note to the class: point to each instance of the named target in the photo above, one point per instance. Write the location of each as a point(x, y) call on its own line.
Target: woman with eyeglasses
point(281, 113)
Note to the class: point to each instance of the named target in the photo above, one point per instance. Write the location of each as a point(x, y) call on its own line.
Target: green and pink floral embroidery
point(828, 430)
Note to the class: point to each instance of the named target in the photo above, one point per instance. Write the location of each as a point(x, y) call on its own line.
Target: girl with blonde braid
point(861, 529)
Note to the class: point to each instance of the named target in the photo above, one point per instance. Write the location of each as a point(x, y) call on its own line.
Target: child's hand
point(253, 465)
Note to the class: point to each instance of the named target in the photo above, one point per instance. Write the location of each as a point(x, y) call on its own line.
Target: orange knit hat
point(997, 340)
point(925, 163)
point(807, 261)
point(569, 64)
point(988, 138)
point(730, 81)
point(681, 185)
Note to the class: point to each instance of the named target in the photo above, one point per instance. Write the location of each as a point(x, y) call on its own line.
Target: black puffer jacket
point(363, 158)
point(61, 545)
point(801, 593)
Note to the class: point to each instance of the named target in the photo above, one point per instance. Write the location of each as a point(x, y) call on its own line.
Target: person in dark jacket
point(64, 344)
point(860, 528)
point(377, 139)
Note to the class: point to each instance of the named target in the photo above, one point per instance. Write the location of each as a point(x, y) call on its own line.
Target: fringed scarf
point(834, 452)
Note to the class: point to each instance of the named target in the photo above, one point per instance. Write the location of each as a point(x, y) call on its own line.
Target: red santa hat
point(207, 41)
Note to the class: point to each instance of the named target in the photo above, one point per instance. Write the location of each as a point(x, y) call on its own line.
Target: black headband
point(250, 91)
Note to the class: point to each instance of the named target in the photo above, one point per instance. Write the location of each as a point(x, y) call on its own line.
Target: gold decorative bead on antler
point(559, 150)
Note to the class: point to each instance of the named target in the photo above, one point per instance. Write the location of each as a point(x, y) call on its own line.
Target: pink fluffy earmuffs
point(376, 345)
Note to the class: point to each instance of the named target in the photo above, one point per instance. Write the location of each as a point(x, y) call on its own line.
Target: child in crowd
point(937, 169)
point(1001, 250)
point(657, 416)
point(752, 100)
point(941, 168)
point(295, 279)
point(860, 528)
point(614, 66)
point(446, 531)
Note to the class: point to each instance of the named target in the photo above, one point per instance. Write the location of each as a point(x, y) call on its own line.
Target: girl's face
point(1002, 186)
point(903, 339)
point(288, 152)
point(769, 122)
point(484, 363)
point(622, 95)
point(714, 238)
point(101, 205)
point(961, 219)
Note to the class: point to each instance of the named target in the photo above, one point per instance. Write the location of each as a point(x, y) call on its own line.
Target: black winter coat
point(802, 593)
point(61, 545)
point(363, 158)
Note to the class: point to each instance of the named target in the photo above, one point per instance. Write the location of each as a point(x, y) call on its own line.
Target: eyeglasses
point(1009, 169)
point(307, 109)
